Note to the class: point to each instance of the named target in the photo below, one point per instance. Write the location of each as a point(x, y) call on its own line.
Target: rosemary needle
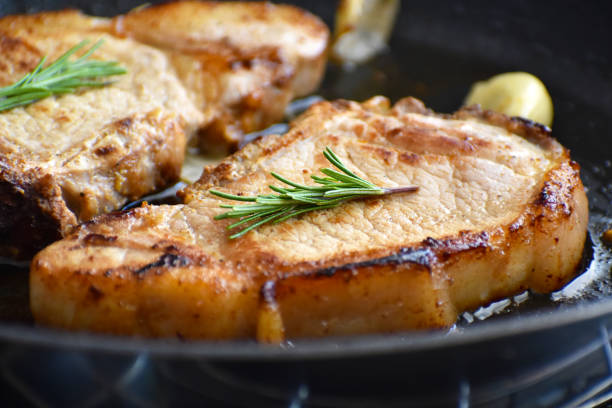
point(333, 190)
point(60, 77)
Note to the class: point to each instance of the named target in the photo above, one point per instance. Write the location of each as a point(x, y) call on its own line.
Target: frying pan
point(548, 351)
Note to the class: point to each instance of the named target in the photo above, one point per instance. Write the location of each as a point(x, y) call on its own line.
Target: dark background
point(440, 46)
point(542, 356)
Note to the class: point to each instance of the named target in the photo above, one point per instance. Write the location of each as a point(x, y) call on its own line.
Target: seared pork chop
point(66, 159)
point(500, 209)
point(241, 63)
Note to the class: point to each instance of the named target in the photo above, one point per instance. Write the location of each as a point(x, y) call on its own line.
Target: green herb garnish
point(335, 189)
point(60, 77)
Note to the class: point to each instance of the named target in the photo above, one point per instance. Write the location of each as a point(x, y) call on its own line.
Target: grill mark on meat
point(413, 263)
point(420, 256)
point(99, 239)
point(164, 261)
point(466, 241)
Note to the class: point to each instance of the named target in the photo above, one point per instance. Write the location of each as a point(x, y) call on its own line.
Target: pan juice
point(441, 78)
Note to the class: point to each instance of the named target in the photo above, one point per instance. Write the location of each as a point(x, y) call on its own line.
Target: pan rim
point(345, 347)
point(306, 349)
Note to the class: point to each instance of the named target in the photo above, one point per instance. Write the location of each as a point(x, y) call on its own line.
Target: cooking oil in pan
point(594, 280)
point(441, 80)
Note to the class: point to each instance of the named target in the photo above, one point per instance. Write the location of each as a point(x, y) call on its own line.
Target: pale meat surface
point(66, 159)
point(500, 209)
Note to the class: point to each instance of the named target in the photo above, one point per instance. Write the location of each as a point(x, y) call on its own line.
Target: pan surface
point(438, 50)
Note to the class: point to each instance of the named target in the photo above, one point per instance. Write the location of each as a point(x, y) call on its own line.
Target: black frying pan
point(544, 352)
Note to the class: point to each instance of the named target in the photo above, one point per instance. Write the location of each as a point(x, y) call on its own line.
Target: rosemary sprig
point(333, 190)
point(60, 77)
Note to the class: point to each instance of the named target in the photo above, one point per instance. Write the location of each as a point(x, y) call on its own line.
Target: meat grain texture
point(200, 71)
point(500, 209)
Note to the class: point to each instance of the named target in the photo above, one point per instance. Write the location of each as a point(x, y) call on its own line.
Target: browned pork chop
point(66, 159)
point(241, 63)
point(500, 209)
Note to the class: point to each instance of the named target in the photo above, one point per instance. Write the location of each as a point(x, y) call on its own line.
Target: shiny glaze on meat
point(500, 209)
point(241, 63)
point(64, 160)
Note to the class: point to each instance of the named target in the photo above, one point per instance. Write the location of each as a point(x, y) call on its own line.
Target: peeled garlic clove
point(362, 28)
point(515, 94)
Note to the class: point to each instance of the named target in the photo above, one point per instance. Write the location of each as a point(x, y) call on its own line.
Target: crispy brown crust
point(202, 59)
point(27, 225)
point(245, 289)
point(39, 205)
point(439, 308)
point(536, 133)
point(53, 200)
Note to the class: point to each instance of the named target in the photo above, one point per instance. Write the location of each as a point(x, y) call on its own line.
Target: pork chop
point(64, 160)
point(500, 209)
point(241, 63)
